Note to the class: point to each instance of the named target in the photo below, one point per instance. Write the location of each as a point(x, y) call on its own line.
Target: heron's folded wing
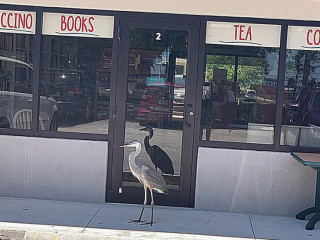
point(153, 177)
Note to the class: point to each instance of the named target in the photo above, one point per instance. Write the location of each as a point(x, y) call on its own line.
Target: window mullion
point(280, 85)
point(36, 73)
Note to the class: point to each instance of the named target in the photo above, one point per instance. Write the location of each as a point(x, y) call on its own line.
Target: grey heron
point(147, 176)
point(158, 156)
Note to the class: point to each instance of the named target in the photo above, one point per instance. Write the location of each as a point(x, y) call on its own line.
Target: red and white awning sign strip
point(303, 38)
point(243, 34)
point(78, 25)
point(17, 22)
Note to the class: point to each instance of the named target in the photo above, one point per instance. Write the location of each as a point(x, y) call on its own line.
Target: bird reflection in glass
point(147, 176)
point(158, 156)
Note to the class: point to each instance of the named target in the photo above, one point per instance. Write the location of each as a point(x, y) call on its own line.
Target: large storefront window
point(239, 89)
point(76, 71)
point(301, 101)
point(16, 69)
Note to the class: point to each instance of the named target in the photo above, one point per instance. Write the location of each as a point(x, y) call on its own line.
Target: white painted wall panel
point(253, 182)
point(57, 169)
point(227, 180)
point(13, 167)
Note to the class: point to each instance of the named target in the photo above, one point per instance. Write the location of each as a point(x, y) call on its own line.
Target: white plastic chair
point(23, 118)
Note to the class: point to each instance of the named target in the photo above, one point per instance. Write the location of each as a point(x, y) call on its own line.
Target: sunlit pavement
point(24, 219)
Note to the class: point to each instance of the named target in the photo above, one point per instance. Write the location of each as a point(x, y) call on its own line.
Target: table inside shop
point(311, 160)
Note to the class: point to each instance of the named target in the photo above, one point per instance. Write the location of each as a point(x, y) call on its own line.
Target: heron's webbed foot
point(147, 223)
point(136, 221)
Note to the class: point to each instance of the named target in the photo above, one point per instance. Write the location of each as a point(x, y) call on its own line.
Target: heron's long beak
point(126, 145)
point(144, 129)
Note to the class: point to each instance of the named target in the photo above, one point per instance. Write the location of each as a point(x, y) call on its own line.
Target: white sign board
point(77, 25)
point(303, 38)
point(17, 22)
point(243, 34)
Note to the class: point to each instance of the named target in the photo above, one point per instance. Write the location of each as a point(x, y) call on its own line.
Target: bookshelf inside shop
point(142, 64)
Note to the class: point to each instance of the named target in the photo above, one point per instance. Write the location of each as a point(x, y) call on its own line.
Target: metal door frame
point(184, 197)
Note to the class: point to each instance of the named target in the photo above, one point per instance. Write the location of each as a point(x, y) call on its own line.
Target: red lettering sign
point(316, 37)
point(76, 23)
point(9, 20)
point(244, 33)
point(84, 26)
point(16, 20)
point(236, 31)
point(22, 21)
point(29, 21)
point(63, 24)
point(249, 34)
point(308, 37)
point(2, 20)
point(90, 23)
point(70, 23)
point(241, 32)
point(313, 37)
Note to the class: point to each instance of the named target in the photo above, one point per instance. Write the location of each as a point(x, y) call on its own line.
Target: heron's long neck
point(133, 155)
point(147, 139)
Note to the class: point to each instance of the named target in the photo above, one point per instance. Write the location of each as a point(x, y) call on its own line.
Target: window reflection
point(301, 102)
point(156, 84)
point(77, 72)
point(16, 71)
point(239, 94)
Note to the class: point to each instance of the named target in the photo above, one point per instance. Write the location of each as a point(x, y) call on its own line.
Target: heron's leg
point(152, 203)
point(144, 203)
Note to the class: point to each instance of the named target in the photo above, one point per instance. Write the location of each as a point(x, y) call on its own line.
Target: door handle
point(185, 114)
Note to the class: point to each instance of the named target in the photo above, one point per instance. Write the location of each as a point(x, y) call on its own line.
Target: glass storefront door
point(156, 88)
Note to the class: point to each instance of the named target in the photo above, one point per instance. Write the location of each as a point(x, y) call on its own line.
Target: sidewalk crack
point(254, 236)
point(92, 218)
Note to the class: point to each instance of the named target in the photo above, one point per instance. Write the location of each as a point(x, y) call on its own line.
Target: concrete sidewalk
point(24, 219)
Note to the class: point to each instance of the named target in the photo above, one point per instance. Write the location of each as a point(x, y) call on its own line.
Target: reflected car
point(16, 106)
point(16, 111)
point(250, 95)
point(73, 98)
point(305, 110)
point(162, 105)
